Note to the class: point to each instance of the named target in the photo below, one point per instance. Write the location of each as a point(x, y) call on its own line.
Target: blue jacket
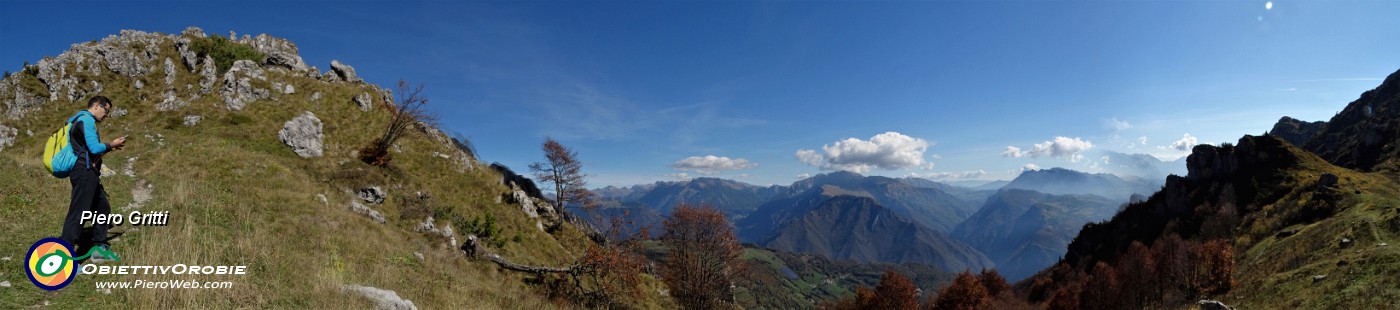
point(83, 138)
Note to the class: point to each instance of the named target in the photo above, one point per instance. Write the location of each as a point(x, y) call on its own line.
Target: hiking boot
point(102, 253)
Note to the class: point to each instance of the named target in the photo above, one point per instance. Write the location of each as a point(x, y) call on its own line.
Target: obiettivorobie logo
point(50, 264)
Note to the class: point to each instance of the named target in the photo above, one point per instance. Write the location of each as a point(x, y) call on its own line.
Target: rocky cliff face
point(1296, 131)
point(1366, 134)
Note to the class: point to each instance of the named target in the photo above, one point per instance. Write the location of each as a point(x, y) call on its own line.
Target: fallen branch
point(473, 248)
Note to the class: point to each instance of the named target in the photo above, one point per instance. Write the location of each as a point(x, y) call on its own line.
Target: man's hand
point(118, 143)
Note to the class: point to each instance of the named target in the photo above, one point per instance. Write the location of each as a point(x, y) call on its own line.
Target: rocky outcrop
point(1364, 134)
point(1296, 131)
point(17, 100)
point(383, 299)
point(303, 134)
point(372, 194)
point(207, 75)
point(358, 208)
point(531, 201)
point(239, 88)
point(191, 120)
point(343, 72)
point(280, 52)
point(7, 136)
point(169, 73)
point(429, 225)
point(364, 102)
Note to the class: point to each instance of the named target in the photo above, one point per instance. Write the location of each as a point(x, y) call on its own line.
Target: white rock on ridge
point(303, 134)
point(238, 88)
point(344, 72)
point(207, 73)
point(356, 207)
point(280, 52)
point(364, 101)
point(169, 72)
point(191, 120)
point(316, 96)
point(383, 299)
point(7, 136)
point(170, 102)
point(372, 194)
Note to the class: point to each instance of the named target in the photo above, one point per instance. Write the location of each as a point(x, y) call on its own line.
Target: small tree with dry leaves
point(407, 112)
point(703, 255)
point(563, 168)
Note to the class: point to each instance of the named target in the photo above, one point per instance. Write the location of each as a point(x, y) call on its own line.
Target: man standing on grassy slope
point(88, 194)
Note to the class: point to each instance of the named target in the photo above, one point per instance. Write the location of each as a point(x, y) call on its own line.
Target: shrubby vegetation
point(224, 51)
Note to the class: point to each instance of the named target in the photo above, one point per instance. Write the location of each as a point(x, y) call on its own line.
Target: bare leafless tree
point(407, 112)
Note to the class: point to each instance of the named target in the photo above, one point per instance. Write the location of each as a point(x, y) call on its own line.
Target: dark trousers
point(88, 195)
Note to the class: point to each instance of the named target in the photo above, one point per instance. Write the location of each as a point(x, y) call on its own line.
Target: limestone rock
point(207, 73)
point(372, 194)
point(356, 207)
point(7, 136)
point(344, 72)
point(188, 56)
point(170, 102)
point(364, 101)
point(383, 299)
point(280, 52)
point(169, 72)
point(238, 88)
point(303, 134)
point(191, 120)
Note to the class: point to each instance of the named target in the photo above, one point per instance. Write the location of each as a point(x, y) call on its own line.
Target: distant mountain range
point(859, 228)
point(1062, 181)
point(1023, 231)
point(1019, 226)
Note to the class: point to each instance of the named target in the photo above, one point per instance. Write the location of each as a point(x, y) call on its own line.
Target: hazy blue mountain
point(993, 185)
point(1024, 231)
point(736, 199)
point(859, 228)
point(930, 207)
point(1062, 181)
point(1140, 166)
point(631, 215)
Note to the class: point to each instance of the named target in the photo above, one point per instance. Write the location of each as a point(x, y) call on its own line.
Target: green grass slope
point(238, 196)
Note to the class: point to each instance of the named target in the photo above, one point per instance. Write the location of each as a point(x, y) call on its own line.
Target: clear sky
point(766, 91)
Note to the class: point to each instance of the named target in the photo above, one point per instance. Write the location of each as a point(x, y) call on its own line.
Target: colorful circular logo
point(48, 264)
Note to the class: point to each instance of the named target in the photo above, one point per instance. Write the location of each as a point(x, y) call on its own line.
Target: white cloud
point(1185, 144)
point(1105, 159)
point(1142, 140)
point(1116, 124)
point(1030, 167)
point(743, 176)
point(679, 176)
point(888, 151)
point(1061, 147)
point(804, 176)
point(1013, 152)
point(950, 175)
point(711, 164)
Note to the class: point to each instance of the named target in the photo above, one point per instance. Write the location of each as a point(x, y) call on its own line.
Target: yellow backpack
point(58, 152)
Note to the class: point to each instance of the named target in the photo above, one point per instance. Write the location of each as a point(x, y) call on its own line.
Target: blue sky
point(766, 91)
